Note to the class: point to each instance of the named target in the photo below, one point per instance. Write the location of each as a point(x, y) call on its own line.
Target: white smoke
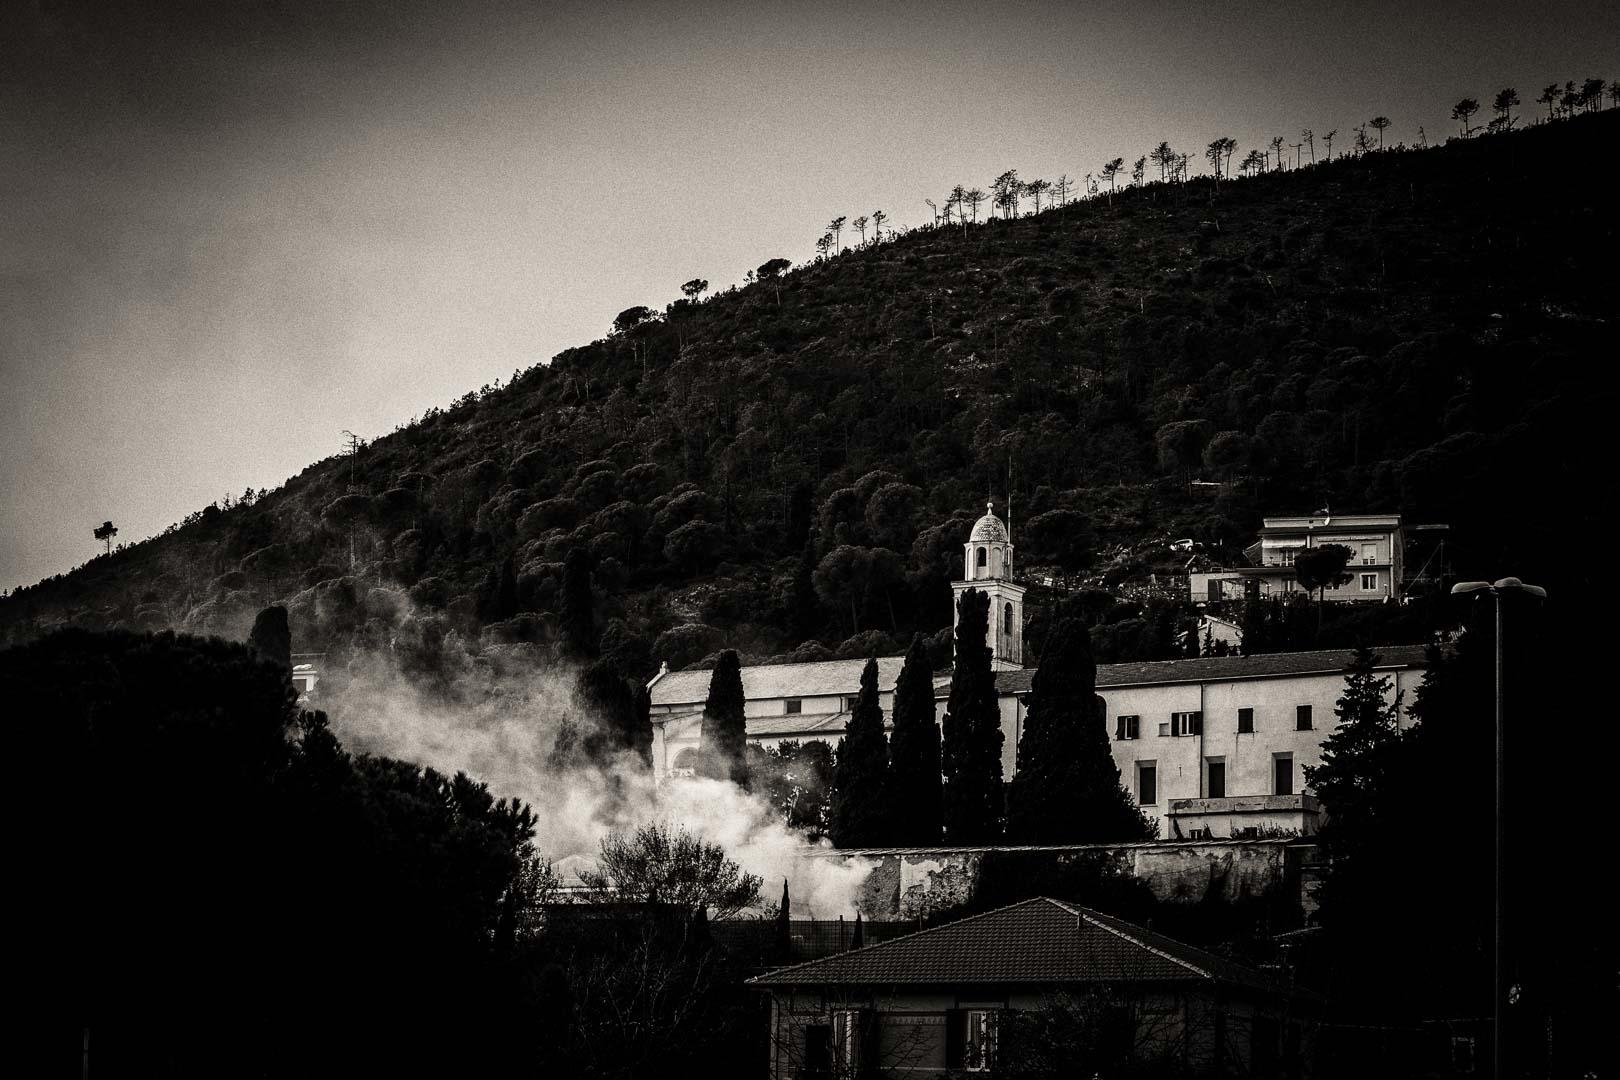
point(500, 728)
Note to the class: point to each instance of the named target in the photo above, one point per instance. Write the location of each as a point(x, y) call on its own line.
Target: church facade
point(1209, 747)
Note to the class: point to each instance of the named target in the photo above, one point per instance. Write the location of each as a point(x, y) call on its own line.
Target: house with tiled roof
point(954, 998)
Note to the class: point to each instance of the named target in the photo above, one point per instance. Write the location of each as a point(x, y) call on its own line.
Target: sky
point(231, 231)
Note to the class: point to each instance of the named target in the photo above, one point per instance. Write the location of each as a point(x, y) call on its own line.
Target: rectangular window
point(1302, 718)
point(1282, 769)
point(979, 1051)
point(1164, 729)
point(1186, 723)
point(1245, 721)
point(1369, 554)
point(1369, 582)
point(1217, 779)
point(1127, 727)
point(794, 706)
point(1147, 783)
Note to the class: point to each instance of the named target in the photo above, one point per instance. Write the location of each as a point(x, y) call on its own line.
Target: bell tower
point(987, 565)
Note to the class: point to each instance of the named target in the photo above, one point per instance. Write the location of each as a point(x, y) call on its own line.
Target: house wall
point(1181, 761)
point(1200, 1025)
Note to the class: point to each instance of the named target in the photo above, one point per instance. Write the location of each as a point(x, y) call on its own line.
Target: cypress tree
point(806, 613)
point(860, 810)
point(971, 753)
point(1067, 789)
point(914, 752)
point(723, 749)
point(578, 616)
point(271, 637)
point(619, 709)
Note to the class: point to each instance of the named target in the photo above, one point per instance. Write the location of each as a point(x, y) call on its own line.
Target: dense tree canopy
point(971, 748)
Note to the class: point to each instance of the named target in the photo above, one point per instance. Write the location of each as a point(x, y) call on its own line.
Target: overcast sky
point(228, 231)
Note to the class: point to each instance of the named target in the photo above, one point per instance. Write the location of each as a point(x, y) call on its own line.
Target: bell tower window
point(1007, 620)
point(984, 557)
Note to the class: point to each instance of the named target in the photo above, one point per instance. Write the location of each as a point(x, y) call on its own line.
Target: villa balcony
point(1238, 816)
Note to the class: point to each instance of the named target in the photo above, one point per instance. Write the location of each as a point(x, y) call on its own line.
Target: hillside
point(1421, 331)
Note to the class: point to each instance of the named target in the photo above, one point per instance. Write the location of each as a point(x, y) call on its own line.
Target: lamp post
point(1496, 590)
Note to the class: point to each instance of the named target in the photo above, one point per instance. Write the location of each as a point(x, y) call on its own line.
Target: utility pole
point(353, 441)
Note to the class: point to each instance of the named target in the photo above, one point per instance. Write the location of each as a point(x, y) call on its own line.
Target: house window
point(1245, 721)
point(1282, 774)
point(980, 1045)
point(794, 706)
point(847, 704)
point(1369, 582)
point(1147, 782)
point(818, 1059)
point(1216, 787)
point(1369, 554)
point(846, 1038)
point(1288, 556)
point(1164, 729)
point(1127, 727)
point(1302, 718)
point(1187, 723)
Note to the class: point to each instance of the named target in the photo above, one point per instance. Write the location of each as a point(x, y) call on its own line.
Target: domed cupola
point(987, 566)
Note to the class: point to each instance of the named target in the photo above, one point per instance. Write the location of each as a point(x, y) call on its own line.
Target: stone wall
point(912, 882)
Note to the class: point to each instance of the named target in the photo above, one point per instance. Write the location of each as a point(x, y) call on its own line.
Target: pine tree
point(914, 752)
point(722, 751)
point(860, 810)
point(1067, 789)
point(578, 615)
point(1356, 757)
point(971, 753)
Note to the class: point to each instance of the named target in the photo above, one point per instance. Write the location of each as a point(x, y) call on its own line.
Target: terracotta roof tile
point(1039, 941)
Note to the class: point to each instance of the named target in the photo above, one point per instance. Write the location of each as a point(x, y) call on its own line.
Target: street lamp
point(1496, 590)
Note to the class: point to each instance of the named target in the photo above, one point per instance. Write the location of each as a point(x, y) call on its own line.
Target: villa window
point(1369, 554)
point(794, 706)
point(1127, 727)
point(1147, 783)
point(1369, 582)
point(1282, 773)
point(1216, 785)
point(1302, 718)
point(1245, 721)
point(1187, 723)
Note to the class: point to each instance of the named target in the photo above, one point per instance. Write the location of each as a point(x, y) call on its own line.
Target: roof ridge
point(1096, 918)
point(904, 937)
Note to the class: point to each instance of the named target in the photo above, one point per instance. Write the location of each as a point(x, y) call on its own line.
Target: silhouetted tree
point(695, 288)
point(914, 752)
point(1276, 148)
point(630, 318)
point(1328, 139)
point(971, 751)
point(722, 752)
point(860, 227)
point(1592, 94)
point(835, 229)
point(660, 863)
point(271, 637)
point(1462, 112)
point(1549, 98)
point(1035, 189)
point(1138, 169)
point(1004, 192)
point(1308, 137)
point(1321, 567)
point(1164, 157)
point(861, 811)
point(105, 532)
point(1503, 104)
point(1066, 789)
point(1379, 123)
point(878, 218)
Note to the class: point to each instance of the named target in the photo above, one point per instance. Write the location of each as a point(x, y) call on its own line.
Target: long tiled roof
point(1223, 668)
point(818, 679)
point(1040, 941)
point(829, 677)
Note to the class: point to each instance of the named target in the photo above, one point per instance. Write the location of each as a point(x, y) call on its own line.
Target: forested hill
point(1422, 331)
